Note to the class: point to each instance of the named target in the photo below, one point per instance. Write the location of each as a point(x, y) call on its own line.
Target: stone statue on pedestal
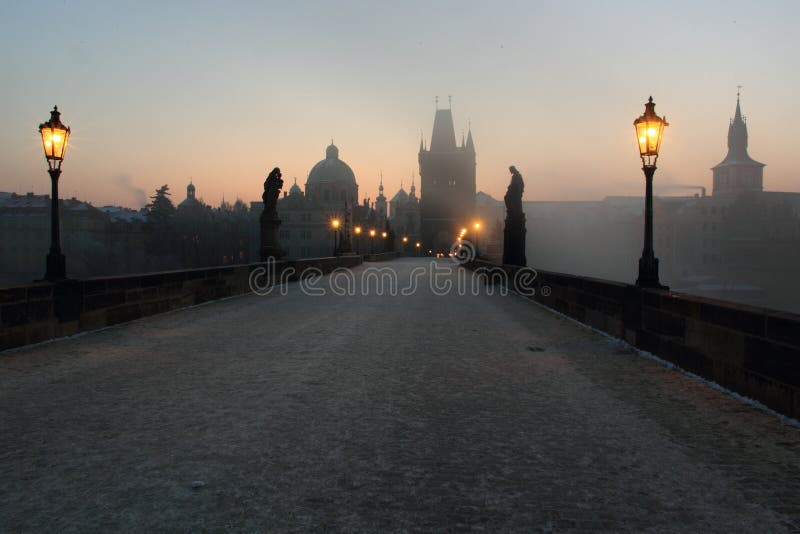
point(514, 232)
point(270, 223)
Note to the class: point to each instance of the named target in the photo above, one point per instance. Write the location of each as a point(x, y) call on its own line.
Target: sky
point(221, 92)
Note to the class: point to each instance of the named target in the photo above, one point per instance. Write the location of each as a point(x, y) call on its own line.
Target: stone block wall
point(42, 311)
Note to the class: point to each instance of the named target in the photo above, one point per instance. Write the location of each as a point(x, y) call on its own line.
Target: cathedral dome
point(331, 170)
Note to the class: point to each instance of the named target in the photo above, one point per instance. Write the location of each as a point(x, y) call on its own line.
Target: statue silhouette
point(514, 232)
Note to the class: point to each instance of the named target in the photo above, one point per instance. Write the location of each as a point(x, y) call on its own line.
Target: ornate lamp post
point(372, 241)
point(54, 140)
point(649, 130)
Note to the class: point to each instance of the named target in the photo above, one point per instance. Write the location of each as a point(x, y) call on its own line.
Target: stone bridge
point(430, 409)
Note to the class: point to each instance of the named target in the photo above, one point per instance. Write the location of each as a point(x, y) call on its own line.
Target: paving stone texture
point(372, 412)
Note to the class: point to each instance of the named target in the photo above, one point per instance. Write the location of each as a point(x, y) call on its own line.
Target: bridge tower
point(447, 183)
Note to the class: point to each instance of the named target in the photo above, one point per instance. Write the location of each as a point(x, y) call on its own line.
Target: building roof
point(443, 138)
point(119, 213)
point(331, 170)
point(400, 196)
point(28, 200)
point(737, 142)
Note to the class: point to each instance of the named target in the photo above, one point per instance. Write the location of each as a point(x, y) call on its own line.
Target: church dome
point(295, 189)
point(331, 170)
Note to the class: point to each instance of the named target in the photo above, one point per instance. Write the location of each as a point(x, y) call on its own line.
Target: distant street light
point(372, 241)
point(477, 226)
point(357, 230)
point(418, 245)
point(335, 223)
point(54, 140)
point(649, 131)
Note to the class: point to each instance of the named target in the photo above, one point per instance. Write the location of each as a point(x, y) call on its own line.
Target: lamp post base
point(648, 273)
point(56, 267)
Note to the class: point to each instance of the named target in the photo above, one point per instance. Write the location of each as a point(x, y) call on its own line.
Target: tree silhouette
point(160, 228)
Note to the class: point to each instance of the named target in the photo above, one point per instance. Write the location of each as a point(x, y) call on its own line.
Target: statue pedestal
point(514, 241)
point(270, 237)
point(345, 247)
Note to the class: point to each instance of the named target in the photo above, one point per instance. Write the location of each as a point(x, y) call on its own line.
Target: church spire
point(737, 134)
point(738, 115)
point(413, 187)
point(470, 146)
point(738, 171)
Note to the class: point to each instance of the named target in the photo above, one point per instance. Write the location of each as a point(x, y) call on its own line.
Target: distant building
point(190, 201)
point(447, 179)
point(331, 192)
point(404, 217)
point(90, 237)
point(738, 172)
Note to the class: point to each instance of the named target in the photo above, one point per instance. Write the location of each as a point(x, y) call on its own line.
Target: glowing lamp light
point(384, 234)
point(477, 226)
point(335, 223)
point(358, 229)
point(405, 239)
point(418, 244)
point(372, 233)
point(55, 136)
point(649, 131)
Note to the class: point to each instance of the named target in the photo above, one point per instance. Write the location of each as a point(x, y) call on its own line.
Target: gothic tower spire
point(738, 172)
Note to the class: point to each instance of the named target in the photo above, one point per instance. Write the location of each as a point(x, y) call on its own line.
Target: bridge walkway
point(378, 412)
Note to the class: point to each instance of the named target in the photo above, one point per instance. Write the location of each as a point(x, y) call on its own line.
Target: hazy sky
point(157, 92)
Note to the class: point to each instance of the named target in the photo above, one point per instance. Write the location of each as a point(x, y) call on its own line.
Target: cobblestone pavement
point(376, 413)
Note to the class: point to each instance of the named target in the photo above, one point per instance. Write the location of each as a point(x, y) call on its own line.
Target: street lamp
point(54, 140)
point(357, 230)
point(335, 225)
point(477, 226)
point(649, 131)
point(372, 241)
point(418, 245)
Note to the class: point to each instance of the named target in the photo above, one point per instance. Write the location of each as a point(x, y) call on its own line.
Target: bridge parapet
point(752, 351)
point(42, 311)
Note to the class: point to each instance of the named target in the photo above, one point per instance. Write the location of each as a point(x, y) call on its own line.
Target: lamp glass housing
point(55, 137)
point(649, 132)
